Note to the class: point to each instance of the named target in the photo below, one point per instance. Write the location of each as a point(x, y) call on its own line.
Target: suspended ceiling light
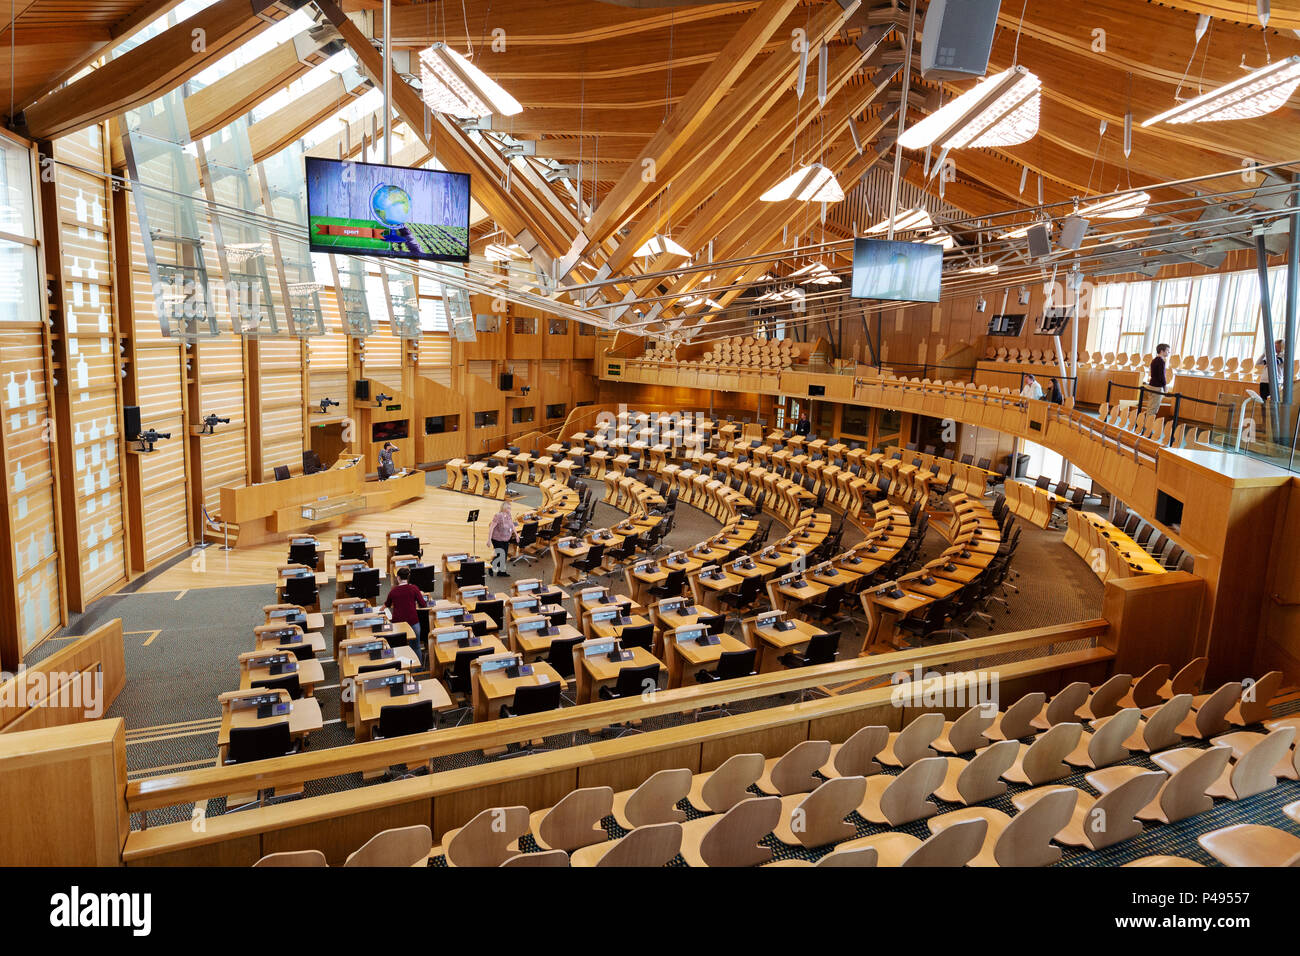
point(813, 183)
point(941, 238)
point(304, 288)
point(659, 244)
point(701, 300)
point(989, 270)
point(1256, 94)
point(1125, 206)
point(1021, 231)
point(240, 252)
point(999, 111)
point(907, 221)
point(816, 273)
point(496, 252)
point(452, 84)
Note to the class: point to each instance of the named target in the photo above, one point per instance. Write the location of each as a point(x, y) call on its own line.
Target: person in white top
point(1032, 389)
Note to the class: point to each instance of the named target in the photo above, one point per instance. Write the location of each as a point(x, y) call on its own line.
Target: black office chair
point(589, 563)
point(716, 623)
point(262, 742)
point(408, 544)
point(401, 720)
point(533, 699)
point(302, 651)
point(289, 682)
point(304, 554)
point(281, 472)
point(671, 586)
point(632, 682)
point(731, 664)
point(494, 608)
point(822, 649)
point(640, 635)
point(354, 550)
point(745, 596)
point(527, 539)
point(458, 676)
point(560, 655)
point(302, 592)
point(311, 463)
point(469, 573)
point(364, 584)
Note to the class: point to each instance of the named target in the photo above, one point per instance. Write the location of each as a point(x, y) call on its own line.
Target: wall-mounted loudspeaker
point(361, 390)
point(1040, 241)
point(1073, 229)
point(507, 381)
point(957, 37)
point(130, 421)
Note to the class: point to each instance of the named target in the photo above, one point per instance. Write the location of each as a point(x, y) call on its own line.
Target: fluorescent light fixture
point(1124, 206)
point(304, 288)
point(659, 244)
point(989, 270)
point(907, 221)
point(941, 238)
point(452, 84)
point(1021, 231)
point(701, 300)
point(496, 252)
point(815, 273)
point(238, 253)
point(813, 183)
point(1256, 94)
point(999, 111)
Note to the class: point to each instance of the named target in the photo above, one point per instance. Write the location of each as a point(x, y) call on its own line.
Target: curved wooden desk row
point(480, 478)
point(1107, 549)
point(1035, 505)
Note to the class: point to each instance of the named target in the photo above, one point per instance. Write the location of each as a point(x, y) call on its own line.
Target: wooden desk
point(310, 673)
point(304, 718)
point(534, 644)
point(370, 704)
point(772, 644)
point(685, 658)
point(610, 629)
point(883, 613)
point(593, 673)
point(493, 689)
point(443, 656)
point(562, 558)
point(263, 639)
point(404, 658)
point(709, 591)
point(790, 599)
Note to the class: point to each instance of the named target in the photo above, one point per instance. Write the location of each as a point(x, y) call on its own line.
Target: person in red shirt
point(404, 599)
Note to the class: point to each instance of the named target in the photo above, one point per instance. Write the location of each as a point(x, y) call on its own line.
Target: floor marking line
point(181, 594)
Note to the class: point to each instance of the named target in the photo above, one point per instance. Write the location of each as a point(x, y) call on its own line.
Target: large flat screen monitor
point(899, 271)
point(369, 209)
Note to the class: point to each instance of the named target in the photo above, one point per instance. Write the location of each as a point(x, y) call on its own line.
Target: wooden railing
point(193, 785)
point(450, 798)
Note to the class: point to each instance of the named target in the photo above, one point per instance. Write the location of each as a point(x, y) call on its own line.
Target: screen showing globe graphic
point(392, 208)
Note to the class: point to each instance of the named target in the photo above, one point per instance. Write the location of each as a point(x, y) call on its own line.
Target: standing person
point(803, 426)
point(1279, 356)
point(386, 467)
point(501, 532)
point(1032, 389)
point(403, 603)
point(1158, 377)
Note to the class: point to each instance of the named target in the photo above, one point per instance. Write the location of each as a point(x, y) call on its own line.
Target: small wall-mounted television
point(389, 431)
point(1008, 325)
point(395, 211)
point(1053, 321)
point(898, 271)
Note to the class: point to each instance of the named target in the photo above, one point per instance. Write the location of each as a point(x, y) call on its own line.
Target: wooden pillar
point(124, 300)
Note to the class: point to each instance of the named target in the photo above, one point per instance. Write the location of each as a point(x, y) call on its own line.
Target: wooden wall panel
point(280, 362)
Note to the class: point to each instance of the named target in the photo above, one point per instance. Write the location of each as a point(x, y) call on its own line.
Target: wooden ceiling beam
point(145, 72)
point(703, 170)
point(634, 189)
point(209, 109)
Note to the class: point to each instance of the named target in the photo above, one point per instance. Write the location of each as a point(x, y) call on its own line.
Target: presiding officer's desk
point(270, 510)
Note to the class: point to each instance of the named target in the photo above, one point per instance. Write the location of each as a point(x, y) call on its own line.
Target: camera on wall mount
point(381, 398)
point(325, 404)
point(150, 437)
point(210, 423)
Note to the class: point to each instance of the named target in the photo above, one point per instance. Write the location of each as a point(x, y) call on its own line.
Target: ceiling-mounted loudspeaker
point(1040, 241)
point(1073, 229)
point(957, 37)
